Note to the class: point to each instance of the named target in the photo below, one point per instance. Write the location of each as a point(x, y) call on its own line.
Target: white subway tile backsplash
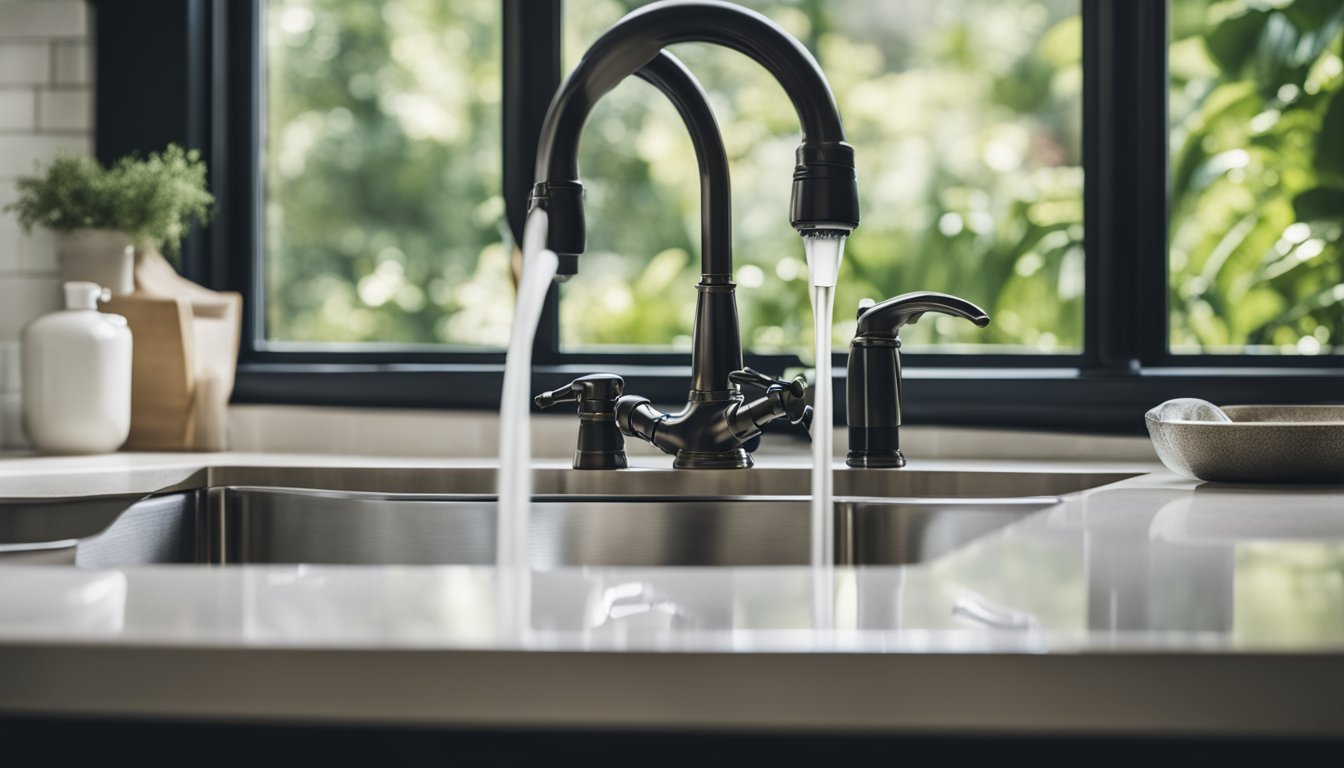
point(43, 18)
point(24, 297)
point(10, 231)
point(10, 378)
point(45, 107)
point(25, 63)
point(36, 251)
point(21, 155)
point(71, 62)
point(65, 110)
point(18, 109)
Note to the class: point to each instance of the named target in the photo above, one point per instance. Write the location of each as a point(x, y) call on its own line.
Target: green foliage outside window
point(384, 221)
point(383, 215)
point(383, 209)
point(1257, 143)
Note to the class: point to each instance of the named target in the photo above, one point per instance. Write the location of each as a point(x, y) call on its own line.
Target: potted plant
point(104, 216)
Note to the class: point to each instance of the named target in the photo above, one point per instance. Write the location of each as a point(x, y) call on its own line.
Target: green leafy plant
point(154, 200)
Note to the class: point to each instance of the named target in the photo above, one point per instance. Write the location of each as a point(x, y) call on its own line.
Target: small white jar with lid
point(77, 376)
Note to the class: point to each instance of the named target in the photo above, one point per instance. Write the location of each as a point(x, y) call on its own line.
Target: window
point(372, 240)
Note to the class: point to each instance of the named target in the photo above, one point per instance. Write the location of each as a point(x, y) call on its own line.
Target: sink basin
point(637, 518)
point(268, 525)
point(259, 525)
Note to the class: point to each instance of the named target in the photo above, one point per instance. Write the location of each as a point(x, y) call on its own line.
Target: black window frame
point(204, 87)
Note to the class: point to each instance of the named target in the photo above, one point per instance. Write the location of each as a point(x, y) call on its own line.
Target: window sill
point(1060, 399)
point(468, 435)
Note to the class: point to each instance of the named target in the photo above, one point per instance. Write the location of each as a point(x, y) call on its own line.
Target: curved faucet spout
point(563, 197)
point(666, 73)
point(634, 40)
point(717, 350)
point(825, 190)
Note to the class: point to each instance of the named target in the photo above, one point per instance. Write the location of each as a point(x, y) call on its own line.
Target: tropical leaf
point(1233, 42)
point(1275, 55)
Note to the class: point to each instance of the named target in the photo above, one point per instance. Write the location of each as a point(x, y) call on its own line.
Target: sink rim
point(988, 488)
point(481, 479)
point(558, 498)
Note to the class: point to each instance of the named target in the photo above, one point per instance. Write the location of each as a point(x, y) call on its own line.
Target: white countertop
point(1154, 605)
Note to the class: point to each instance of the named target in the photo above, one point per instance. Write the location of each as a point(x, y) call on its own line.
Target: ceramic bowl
point(1263, 444)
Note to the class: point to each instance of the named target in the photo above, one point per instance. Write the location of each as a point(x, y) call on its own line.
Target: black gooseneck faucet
point(716, 427)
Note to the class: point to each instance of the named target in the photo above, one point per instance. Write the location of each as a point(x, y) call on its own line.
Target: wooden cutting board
point(185, 355)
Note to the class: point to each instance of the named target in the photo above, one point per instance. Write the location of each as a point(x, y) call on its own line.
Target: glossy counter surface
point(1153, 605)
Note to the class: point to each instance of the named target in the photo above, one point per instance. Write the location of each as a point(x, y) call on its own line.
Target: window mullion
point(531, 76)
point(245, 119)
point(1125, 190)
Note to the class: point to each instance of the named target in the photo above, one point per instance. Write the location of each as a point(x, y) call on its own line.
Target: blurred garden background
point(384, 221)
point(1257, 163)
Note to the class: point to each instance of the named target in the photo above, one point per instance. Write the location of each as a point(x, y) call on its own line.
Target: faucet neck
point(825, 190)
point(666, 73)
point(562, 195)
point(638, 37)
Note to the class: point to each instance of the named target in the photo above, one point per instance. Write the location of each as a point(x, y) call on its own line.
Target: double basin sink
point(237, 515)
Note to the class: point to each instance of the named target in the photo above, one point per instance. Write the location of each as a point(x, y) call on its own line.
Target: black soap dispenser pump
point(873, 385)
point(601, 444)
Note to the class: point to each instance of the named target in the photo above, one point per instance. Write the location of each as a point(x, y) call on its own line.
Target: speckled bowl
point(1263, 444)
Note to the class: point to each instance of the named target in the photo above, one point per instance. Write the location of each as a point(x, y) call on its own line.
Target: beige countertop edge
point(1177, 694)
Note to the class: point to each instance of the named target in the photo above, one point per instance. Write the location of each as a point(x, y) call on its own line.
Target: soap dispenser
point(77, 376)
point(873, 384)
point(601, 444)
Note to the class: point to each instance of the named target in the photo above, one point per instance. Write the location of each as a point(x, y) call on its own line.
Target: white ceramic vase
point(102, 256)
point(77, 376)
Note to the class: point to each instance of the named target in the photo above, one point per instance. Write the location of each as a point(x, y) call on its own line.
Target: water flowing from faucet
point(824, 250)
point(515, 438)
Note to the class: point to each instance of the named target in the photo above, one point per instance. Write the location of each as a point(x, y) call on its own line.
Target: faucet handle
point(784, 398)
point(888, 317)
point(599, 387)
point(796, 387)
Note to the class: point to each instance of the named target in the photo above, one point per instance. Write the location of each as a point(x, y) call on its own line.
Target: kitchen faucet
point(717, 428)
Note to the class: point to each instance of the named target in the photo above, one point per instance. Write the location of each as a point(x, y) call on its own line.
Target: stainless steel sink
point(258, 525)
point(649, 518)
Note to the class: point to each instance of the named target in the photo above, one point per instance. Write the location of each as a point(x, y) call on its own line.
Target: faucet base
point(892, 459)
point(734, 459)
